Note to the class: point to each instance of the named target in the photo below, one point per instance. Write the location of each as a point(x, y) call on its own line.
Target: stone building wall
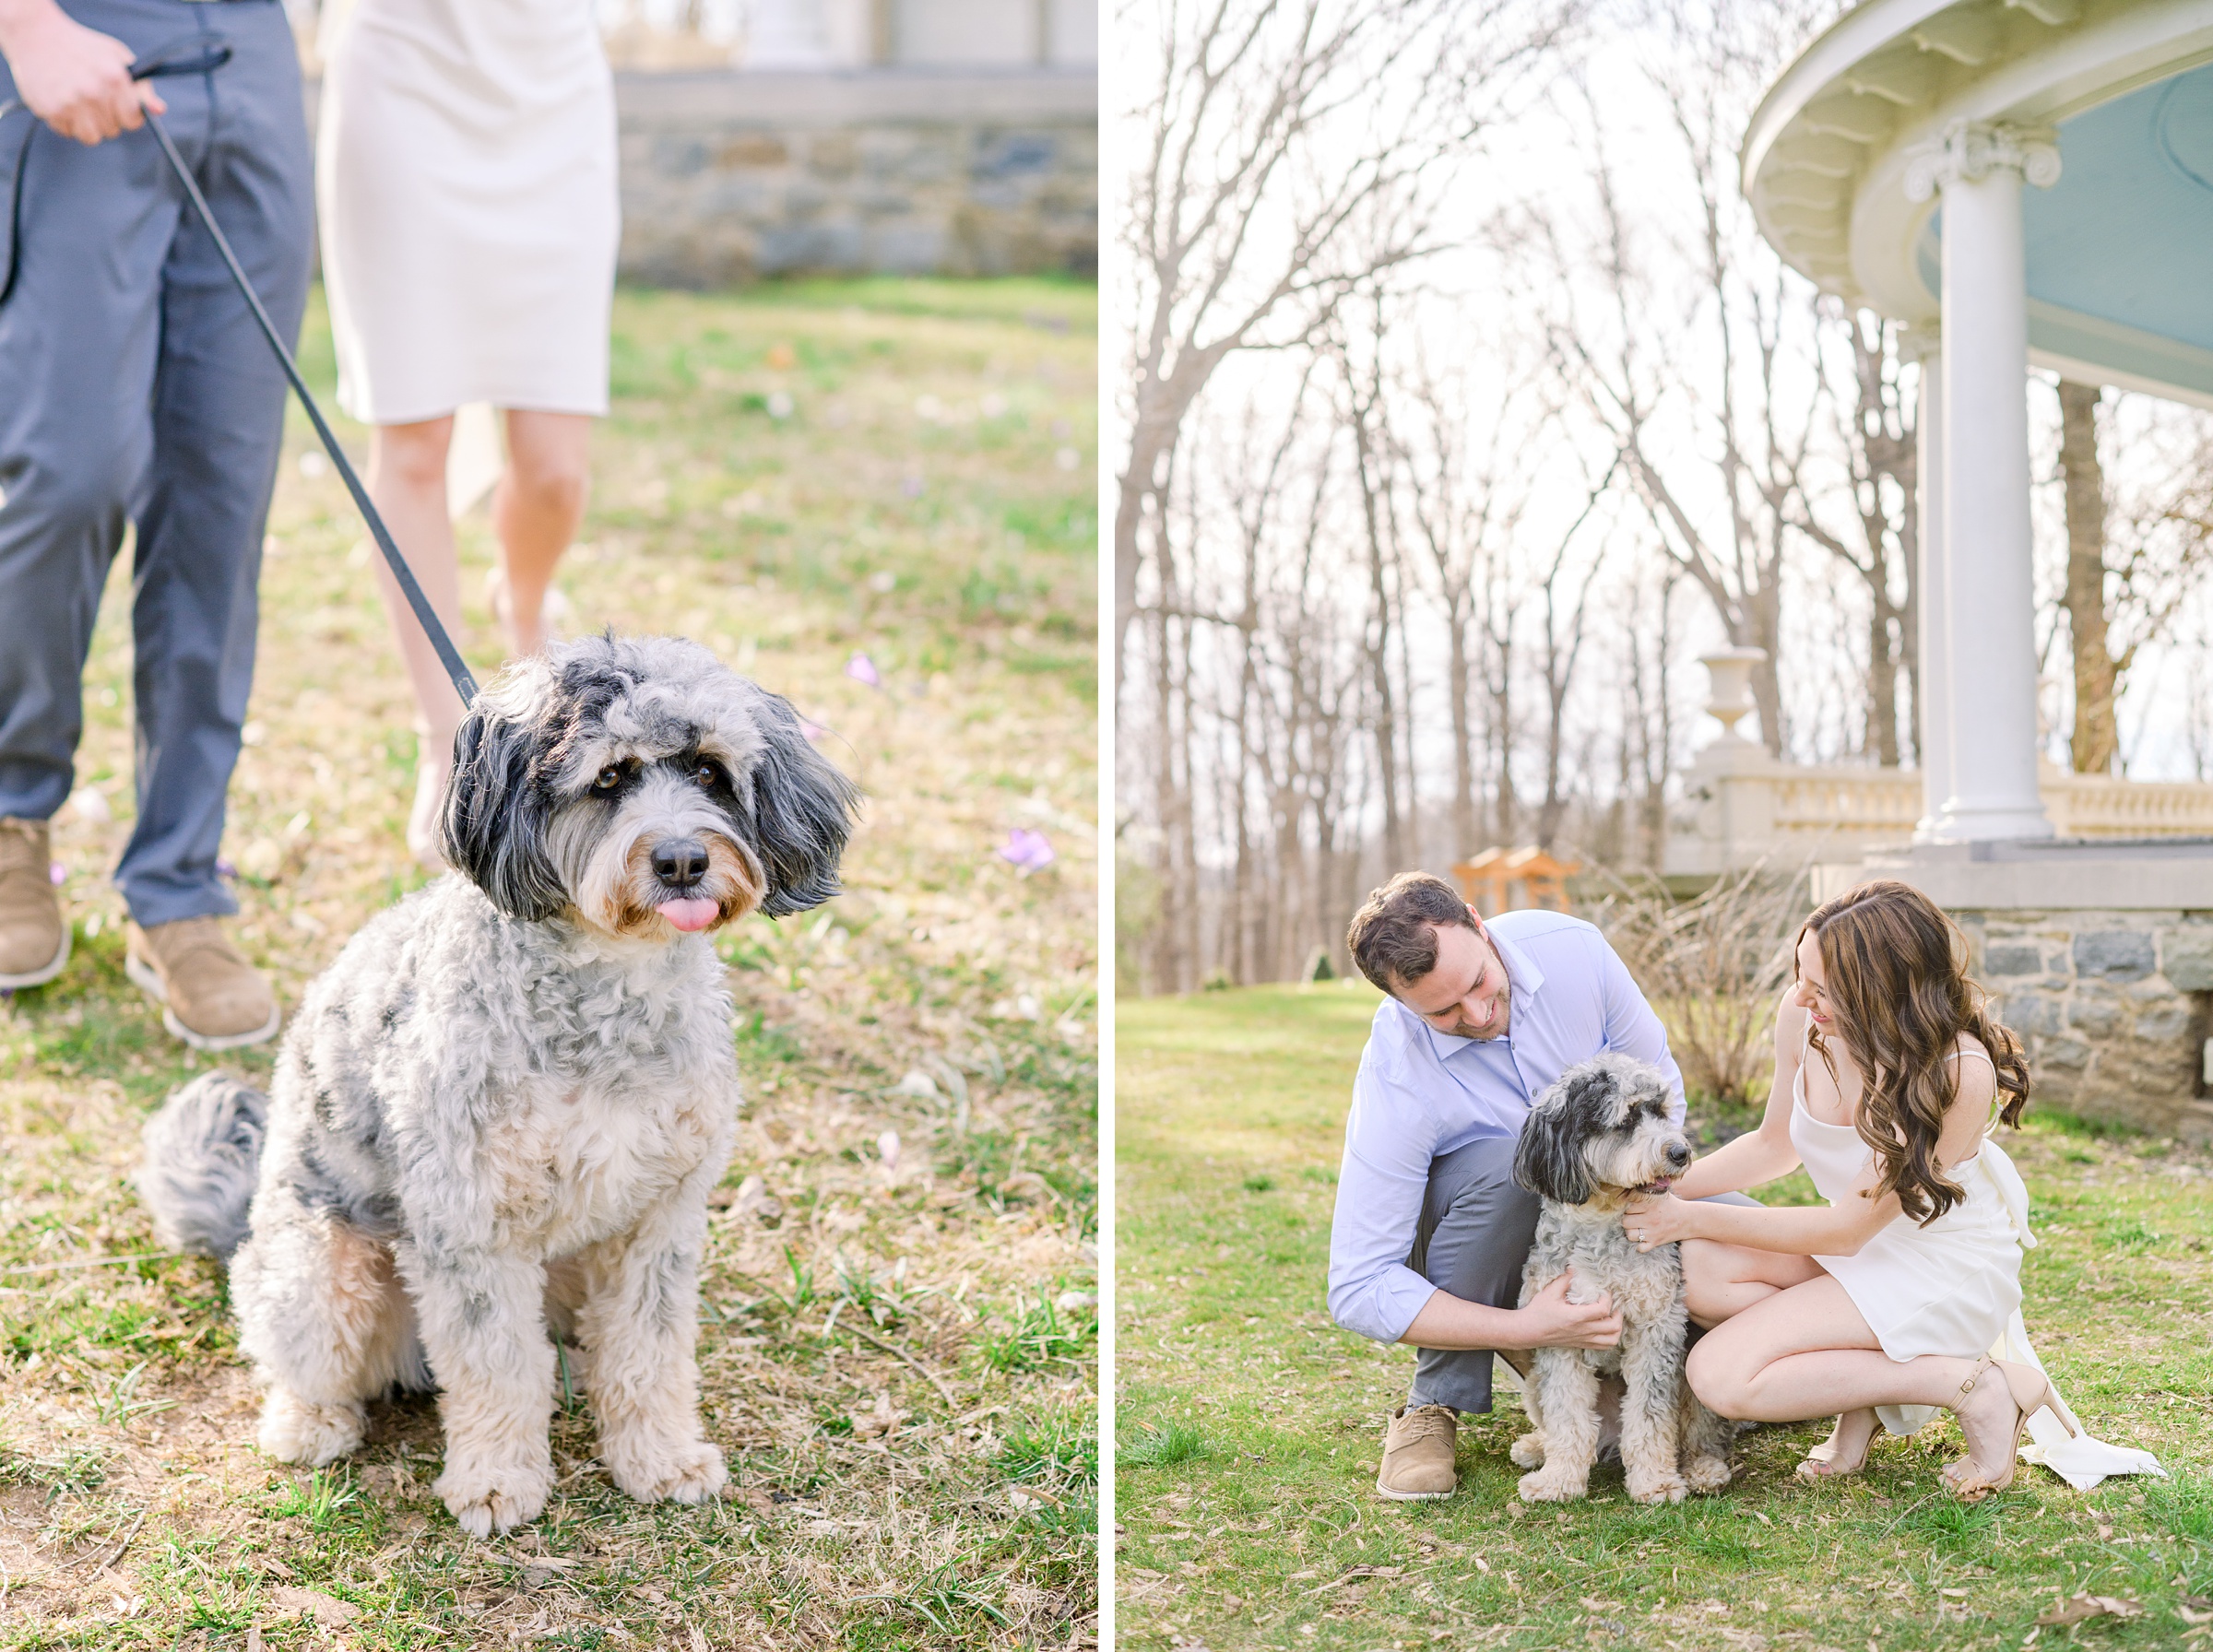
point(2115, 1007)
point(728, 177)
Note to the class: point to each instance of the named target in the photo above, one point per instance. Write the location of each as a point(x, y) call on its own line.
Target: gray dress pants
point(135, 389)
point(1476, 1227)
point(1473, 1242)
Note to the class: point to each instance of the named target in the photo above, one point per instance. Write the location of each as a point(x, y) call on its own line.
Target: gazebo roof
point(2119, 250)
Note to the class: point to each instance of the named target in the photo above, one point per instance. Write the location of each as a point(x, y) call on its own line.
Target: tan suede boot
point(211, 997)
point(1418, 1454)
point(34, 941)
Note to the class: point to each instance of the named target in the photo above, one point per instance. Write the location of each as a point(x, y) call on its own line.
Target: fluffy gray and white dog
point(498, 1115)
point(1599, 1135)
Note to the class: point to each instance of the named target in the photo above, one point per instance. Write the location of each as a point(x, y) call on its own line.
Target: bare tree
point(2096, 739)
point(1567, 606)
point(1266, 130)
point(2133, 563)
point(1464, 506)
point(1374, 470)
point(1648, 736)
point(1875, 435)
point(1652, 331)
point(1625, 380)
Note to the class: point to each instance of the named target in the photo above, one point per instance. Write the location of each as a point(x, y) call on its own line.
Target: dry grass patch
point(898, 1348)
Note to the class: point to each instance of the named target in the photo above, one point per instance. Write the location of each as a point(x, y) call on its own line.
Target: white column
point(1932, 679)
point(1991, 603)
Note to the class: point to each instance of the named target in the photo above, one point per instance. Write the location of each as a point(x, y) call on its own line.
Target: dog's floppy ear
point(492, 828)
point(799, 809)
point(1548, 1159)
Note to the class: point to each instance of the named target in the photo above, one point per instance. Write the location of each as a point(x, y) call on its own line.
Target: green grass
point(1251, 1427)
point(791, 476)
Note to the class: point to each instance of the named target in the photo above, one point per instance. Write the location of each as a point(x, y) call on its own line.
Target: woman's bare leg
point(537, 510)
point(407, 479)
point(1806, 1352)
point(1720, 1281)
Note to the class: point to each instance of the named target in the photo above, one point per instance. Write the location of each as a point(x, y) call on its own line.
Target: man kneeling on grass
point(1431, 1231)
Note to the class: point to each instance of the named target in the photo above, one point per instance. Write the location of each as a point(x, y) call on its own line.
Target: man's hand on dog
point(1555, 1322)
point(1650, 1219)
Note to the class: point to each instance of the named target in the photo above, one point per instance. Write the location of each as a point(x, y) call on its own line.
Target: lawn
point(899, 1341)
point(1248, 1427)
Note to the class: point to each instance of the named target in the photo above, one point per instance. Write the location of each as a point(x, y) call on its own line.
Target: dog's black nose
point(1678, 1154)
point(680, 862)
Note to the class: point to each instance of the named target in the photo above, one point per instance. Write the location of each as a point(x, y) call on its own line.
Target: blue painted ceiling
point(2126, 234)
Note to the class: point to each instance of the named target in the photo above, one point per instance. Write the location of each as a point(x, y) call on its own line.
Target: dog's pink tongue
point(689, 915)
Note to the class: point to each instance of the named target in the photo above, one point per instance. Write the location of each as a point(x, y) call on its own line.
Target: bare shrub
point(1712, 968)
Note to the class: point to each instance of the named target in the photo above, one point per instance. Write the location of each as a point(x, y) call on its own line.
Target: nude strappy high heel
point(1824, 1463)
point(2031, 1391)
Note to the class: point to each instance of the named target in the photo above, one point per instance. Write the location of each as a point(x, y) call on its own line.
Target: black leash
point(203, 54)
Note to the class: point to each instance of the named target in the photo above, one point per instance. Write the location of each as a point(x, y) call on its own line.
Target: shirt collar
point(1523, 980)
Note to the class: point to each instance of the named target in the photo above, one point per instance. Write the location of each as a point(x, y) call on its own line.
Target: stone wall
point(728, 177)
point(2115, 1007)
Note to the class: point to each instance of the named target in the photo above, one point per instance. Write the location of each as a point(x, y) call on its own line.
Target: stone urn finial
point(1729, 672)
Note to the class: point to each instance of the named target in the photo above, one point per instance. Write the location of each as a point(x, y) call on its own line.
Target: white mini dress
point(466, 184)
point(1953, 1287)
point(1949, 1288)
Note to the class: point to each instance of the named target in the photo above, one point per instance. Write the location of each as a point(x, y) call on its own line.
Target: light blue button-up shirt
point(1420, 1094)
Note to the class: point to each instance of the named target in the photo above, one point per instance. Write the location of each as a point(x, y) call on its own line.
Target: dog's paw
point(297, 1431)
point(1707, 1473)
point(677, 1472)
point(1528, 1451)
point(488, 1497)
point(1657, 1488)
point(1548, 1486)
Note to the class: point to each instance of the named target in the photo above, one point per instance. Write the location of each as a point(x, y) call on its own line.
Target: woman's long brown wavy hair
point(1900, 995)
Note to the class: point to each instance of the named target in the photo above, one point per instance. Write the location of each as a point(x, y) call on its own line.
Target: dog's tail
point(203, 1155)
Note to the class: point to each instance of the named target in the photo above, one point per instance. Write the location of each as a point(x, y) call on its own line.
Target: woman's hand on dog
point(1552, 1321)
point(1650, 1219)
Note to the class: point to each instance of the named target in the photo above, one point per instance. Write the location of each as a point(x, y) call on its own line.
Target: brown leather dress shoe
point(211, 997)
point(1417, 1454)
point(34, 941)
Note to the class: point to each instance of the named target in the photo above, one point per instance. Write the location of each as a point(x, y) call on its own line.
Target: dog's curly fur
point(1596, 1136)
point(499, 1112)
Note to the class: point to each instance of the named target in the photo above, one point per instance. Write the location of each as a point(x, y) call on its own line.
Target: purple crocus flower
point(861, 669)
point(57, 873)
point(1028, 850)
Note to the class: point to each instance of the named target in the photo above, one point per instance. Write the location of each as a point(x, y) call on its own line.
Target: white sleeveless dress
point(466, 185)
point(1952, 1287)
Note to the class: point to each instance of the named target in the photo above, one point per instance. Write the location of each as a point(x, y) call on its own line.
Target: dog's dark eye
point(707, 775)
point(610, 778)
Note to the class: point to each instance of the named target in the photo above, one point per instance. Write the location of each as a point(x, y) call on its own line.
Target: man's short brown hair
point(1393, 936)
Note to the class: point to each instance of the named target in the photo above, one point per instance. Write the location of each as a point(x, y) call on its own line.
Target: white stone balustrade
point(1741, 806)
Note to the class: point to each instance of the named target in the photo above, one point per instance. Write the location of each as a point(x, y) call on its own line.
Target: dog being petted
point(496, 1117)
point(1601, 1133)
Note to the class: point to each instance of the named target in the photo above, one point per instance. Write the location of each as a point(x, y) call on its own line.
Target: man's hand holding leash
point(75, 80)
